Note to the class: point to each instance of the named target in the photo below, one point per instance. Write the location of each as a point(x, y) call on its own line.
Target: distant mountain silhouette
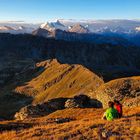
point(107, 60)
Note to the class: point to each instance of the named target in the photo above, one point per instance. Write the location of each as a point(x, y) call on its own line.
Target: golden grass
point(85, 124)
point(49, 80)
point(60, 80)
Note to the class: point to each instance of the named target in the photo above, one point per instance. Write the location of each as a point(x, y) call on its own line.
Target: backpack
point(118, 107)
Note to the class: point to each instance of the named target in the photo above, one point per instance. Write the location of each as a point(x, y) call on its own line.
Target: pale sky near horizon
point(43, 10)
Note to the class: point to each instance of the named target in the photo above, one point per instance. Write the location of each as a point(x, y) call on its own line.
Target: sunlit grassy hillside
point(74, 124)
point(43, 81)
point(59, 80)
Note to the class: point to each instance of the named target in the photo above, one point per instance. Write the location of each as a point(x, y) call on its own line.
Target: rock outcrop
point(77, 28)
point(38, 110)
point(72, 103)
point(31, 111)
point(126, 90)
point(82, 101)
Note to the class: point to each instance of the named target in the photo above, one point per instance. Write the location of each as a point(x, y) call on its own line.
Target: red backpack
point(118, 107)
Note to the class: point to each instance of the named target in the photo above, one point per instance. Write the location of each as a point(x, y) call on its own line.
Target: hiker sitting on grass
point(111, 113)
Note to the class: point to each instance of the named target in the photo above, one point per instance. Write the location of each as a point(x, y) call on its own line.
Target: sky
point(44, 10)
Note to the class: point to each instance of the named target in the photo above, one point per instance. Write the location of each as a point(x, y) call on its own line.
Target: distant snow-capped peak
point(51, 26)
point(137, 29)
point(21, 28)
point(48, 26)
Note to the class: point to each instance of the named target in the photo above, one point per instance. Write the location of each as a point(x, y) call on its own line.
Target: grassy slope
point(49, 80)
point(60, 80)
point(86, 124)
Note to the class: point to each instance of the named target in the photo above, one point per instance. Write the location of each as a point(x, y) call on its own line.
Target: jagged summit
point(22, 28)
point(47, 26)
point(78, 28)
point(51, 26)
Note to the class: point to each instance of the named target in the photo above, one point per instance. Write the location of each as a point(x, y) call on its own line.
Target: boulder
point(82, 101)
point(95, 103)
point(46, 108)
point(56, 103)
point(31, 111)
point(72, 103)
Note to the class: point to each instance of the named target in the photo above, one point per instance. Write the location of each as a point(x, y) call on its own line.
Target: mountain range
point(124, 32)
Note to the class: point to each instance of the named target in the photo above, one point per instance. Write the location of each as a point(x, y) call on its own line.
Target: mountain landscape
point(99, 31)
point(56, 79)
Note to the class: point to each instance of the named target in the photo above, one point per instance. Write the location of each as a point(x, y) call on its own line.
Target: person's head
point(110, 104)
point(116, 102)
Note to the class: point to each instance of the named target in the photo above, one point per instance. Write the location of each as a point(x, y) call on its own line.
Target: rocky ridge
point(79, 101)
point(59, 80)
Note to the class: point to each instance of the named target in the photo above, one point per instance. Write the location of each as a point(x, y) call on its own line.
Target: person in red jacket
point(118, 107)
